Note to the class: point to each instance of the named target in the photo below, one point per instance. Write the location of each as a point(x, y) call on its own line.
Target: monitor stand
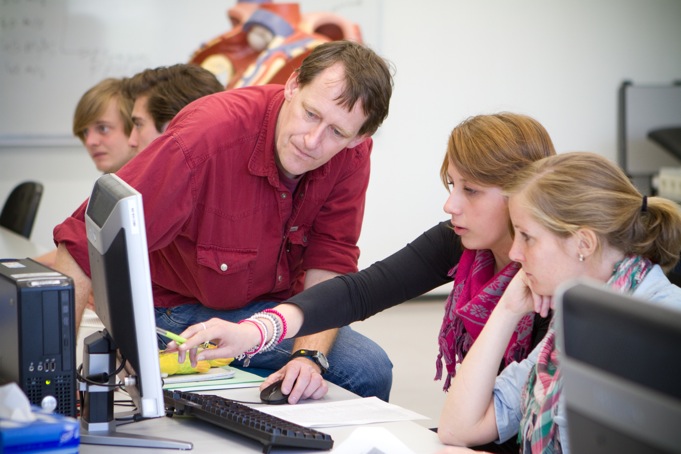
point(97, 423)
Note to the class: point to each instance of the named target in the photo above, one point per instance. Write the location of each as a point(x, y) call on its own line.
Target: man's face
point(144, 130)
point(312, 128)
point(106, 141)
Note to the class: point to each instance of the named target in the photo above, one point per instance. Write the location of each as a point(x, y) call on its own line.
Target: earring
point(581, 258)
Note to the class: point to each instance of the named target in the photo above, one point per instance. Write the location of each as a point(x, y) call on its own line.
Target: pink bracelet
point(283, 323)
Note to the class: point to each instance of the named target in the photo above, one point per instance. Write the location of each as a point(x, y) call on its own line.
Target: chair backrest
point(21, 207)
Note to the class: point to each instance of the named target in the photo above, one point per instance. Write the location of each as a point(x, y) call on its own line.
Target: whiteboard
point(52, 51)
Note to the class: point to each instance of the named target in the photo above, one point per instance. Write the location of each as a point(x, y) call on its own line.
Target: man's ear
point(587, 241)
point(291, 85)
point(357, 140)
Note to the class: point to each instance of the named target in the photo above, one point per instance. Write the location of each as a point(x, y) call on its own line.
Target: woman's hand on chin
point(518, 297)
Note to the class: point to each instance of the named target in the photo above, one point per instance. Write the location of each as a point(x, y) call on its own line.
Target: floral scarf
point(475, 294)
point(544, 385)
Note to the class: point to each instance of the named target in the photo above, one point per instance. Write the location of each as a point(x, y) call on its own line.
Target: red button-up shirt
point(221, 226)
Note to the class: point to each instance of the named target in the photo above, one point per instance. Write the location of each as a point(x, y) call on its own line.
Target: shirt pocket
point(222, 269)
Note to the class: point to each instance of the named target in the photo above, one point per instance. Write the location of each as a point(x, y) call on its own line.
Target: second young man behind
point(160, 93)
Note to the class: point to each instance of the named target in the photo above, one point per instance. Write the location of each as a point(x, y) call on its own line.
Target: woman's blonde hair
point(585, 190)
point(491, 149)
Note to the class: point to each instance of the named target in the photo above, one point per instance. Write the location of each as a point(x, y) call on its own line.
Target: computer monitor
point(620, 360)
point(121, 282)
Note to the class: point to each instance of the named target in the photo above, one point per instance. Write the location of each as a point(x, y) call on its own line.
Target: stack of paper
point(216, 378)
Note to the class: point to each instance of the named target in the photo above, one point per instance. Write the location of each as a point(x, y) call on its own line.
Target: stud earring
point(581, 258)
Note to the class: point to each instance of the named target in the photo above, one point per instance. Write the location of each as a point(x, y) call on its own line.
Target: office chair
point(21, 207)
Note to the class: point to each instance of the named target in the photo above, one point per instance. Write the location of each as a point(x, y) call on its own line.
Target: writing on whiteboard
point(36, 33)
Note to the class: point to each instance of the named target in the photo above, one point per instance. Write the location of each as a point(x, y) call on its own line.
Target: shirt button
point(224, 267)
point(279, 278)
point(283, 195)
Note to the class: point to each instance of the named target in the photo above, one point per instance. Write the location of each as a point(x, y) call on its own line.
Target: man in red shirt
point(253, 194)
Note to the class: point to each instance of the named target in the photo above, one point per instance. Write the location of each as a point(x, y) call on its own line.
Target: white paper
point(343, 413)
point(372, 440)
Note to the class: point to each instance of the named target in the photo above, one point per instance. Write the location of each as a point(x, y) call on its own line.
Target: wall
point(559, 61)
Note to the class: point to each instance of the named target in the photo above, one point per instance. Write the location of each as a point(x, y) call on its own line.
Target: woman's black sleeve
point(419, 267)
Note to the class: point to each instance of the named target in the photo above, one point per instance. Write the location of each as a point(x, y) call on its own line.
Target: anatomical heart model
point(268, 41)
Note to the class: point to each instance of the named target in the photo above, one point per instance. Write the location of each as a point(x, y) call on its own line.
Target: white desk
point(15, 246)
point(208, 438)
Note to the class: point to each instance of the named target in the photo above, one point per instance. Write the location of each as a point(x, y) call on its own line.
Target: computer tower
point(37, 333)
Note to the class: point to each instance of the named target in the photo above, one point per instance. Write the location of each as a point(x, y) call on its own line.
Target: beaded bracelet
point(279, 329)
point(283, 323)
point(276, 327)
point(264, 344)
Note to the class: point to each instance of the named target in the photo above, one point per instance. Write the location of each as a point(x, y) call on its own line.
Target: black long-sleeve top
point(419, 267)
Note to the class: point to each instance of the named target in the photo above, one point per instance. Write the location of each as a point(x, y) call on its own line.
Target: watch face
point(323, 362)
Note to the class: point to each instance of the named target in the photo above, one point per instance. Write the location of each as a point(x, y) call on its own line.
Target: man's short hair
point(94, 103)
point(170, 88)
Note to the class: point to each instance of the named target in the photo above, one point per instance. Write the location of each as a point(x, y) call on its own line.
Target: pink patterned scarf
point(475, 294)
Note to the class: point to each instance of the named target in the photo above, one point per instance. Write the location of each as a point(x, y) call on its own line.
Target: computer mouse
point(273, 395)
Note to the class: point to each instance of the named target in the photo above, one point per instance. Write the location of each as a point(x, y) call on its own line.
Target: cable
point(101, 379)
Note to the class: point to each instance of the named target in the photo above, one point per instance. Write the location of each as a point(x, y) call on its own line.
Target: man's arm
point(301, 371)
point(82, 284)
point(47, 259)
point(321, 341)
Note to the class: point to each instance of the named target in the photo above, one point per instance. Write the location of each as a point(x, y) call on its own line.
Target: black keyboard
point(249, 422)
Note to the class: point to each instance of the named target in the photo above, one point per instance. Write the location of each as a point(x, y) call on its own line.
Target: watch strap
point(312, 355)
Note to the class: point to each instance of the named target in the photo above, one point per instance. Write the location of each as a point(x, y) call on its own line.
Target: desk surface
point(209, 439)
point(15, 246)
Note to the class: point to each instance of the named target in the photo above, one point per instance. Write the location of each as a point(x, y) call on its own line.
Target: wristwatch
point(318, 357)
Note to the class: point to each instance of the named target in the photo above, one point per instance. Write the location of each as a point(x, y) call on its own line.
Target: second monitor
point(621, 363)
